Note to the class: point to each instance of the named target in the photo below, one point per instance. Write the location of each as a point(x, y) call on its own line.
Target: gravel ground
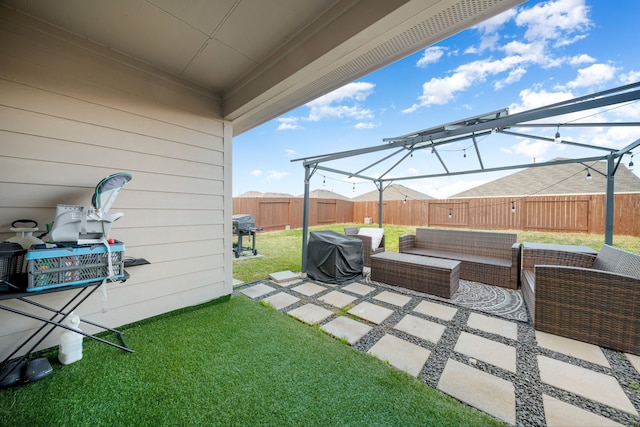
point(529, 389)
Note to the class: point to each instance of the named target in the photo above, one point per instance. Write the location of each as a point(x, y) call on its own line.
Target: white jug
point(70, 342)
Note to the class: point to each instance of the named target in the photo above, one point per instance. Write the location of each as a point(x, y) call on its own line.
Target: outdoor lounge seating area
point(489, 258)
point(595, 299)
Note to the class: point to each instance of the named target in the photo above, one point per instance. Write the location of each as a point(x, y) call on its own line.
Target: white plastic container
point(24, 235)
point(70, 342)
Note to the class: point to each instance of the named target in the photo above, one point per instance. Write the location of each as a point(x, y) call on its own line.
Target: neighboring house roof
point(325, 194)
point(267, 194)
point(567, 178)
point(392, 192)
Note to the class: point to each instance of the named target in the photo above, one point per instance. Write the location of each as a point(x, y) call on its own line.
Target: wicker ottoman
point(433, 276)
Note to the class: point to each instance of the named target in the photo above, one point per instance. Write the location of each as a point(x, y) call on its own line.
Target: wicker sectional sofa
point(595, 299)
point(485, 257)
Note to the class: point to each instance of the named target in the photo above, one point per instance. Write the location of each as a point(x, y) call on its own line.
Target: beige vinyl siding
point(71, 113)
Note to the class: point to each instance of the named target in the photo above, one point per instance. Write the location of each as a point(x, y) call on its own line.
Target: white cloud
point(493, 24)
point(556, 20)
point(334, 104)
point(531, 149)
point(439, 91)
point(593, 75)
point(276, 175)
point(289, 152)
point(342, 103)
point(363, 125)
point(288, 123)
point(488, 29)
point(530, 99)
point(256, 172)
point(321, 112)
point(581, 59)
point(513, 77)
point(431, 55)
point(630, 77)
point(357, 91)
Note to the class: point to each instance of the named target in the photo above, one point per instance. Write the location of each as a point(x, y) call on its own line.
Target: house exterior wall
point(72, 113)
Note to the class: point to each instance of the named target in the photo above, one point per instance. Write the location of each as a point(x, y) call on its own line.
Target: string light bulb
point(405, 200)
point(631, 162)
point(464, 153)
point(589, 175)
point(557, 138)
point(450, 213)
point(513, 207)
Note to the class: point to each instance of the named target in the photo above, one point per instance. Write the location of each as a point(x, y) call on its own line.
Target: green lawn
point(282, 249)
point(234, 362)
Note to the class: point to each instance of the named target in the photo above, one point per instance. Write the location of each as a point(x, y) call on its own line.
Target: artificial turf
point(231, 362)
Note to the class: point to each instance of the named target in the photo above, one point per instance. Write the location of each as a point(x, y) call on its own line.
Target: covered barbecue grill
point(244, 225)
point(334, 258)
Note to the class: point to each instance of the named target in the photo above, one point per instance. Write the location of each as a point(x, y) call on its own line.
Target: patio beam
point(504, 168)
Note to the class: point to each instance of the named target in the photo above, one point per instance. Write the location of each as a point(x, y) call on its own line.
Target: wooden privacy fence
point(572, 214)
point(279, 213)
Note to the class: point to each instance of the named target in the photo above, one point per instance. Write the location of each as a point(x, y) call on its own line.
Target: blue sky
point(536, 54)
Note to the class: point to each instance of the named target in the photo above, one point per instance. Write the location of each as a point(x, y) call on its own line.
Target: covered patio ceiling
point(522, 124)
point(262, 58)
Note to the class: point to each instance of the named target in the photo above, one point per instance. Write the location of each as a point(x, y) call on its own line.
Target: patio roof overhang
point(472, 128)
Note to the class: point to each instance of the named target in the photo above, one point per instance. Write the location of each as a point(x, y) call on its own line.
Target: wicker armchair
point(367, 249)
point(597, 303)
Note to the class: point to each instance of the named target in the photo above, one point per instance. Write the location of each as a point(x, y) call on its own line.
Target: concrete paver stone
point(310, 313)
point(393, 298)
point(281, 300)
point(581, 350)
point(358, 288)
point(346, 328)
point(309, 289)
point(421, 328)
point(434, 309)
point(286, 284)
point(481, 390)
point(257, 291)
point(284, 276)
point(337, 299)
point(401, 354)
point(493, 326)
point(584, 382)
point(371, 312)
point(492, 352)
point(561, 414)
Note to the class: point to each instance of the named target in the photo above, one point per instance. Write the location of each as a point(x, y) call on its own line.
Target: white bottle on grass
point(70, 342)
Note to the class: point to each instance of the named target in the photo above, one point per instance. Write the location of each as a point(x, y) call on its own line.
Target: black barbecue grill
point(244, 225)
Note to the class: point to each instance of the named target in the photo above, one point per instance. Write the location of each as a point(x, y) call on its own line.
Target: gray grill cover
point(334, 258)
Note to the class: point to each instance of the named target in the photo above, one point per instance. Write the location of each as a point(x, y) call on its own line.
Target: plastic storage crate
point(11, 260)
point(72, 264)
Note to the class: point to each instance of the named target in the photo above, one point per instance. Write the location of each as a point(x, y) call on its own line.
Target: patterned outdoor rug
point(507, 303)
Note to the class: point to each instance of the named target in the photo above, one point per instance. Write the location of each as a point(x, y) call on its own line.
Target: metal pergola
point(478, 126)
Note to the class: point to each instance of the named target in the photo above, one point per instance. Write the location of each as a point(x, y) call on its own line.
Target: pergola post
point(380, 192)
point(305, 216)
point(608, 215)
